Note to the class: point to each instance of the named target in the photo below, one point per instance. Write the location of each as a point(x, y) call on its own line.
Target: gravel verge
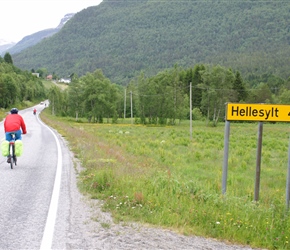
point(88, 227)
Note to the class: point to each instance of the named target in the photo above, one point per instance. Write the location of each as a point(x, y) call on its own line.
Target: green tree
point(284, 96)
point(239, 88)
point(260, 94)
point(76, 98)
point(218, 82)
point(100, 96)
point(162, 97)
point(8, 58)
point(55, 100)
point(196, 82)
point(42, 72)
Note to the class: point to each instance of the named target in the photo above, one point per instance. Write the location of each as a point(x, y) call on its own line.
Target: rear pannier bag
point(5, 148)
point(18, 148)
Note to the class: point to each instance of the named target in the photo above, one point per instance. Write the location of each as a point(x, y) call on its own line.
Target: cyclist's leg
point(8, 136)
point(18, 135)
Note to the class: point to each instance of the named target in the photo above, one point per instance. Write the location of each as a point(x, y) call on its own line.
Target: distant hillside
point(124, 37)
point(31, 40)
point(5, 45)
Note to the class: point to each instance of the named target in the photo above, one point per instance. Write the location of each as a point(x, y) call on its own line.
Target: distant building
point(65, 80)
point(36, 74)
point(49, 77)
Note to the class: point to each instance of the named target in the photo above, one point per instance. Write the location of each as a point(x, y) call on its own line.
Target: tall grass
point(158, 175)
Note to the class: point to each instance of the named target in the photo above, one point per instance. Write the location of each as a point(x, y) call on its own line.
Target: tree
point(196, 82)
point(239, 88)
point(76, 98)
point(55, 100)
point(100, 96)
point(217, 83)
point(42, 72)
point(285, 96)
point(8, 58)
point(261, 94)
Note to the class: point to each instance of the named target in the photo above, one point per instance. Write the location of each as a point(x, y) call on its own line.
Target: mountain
point(125, 37)
point(5, 45)
point(31, 40)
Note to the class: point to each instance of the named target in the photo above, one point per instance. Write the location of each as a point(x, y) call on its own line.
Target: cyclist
point(34, 111)
point(14, 123)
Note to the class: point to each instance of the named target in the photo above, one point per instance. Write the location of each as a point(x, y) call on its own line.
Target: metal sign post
point(226, 156)
point(258, 161)
point(288, 179)
point(260, 113)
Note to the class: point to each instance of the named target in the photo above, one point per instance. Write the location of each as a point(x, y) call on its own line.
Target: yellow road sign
point(257, 112)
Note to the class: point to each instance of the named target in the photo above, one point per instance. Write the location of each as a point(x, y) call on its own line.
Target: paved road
point(26, 191)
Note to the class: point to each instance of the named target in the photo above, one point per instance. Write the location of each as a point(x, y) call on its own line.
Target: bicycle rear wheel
point(12, 156)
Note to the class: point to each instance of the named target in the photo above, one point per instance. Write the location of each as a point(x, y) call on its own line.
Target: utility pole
point(131, 107)
point(190, 111)
point(125, 104)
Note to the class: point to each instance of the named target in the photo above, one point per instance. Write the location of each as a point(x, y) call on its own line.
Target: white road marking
point(47, 237)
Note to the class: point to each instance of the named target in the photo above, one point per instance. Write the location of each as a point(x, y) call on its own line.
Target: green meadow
point(160, 176)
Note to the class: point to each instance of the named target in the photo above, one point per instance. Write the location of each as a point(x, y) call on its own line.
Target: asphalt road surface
point(30, 192)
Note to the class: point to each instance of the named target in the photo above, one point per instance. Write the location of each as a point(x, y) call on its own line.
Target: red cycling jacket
point(14, 122)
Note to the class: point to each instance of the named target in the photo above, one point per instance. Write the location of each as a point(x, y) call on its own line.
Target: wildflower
point(217, 223)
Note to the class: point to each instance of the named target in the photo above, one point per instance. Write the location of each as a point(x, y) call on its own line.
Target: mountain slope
point(5, 45)
point(31, 40)
point(125, 37)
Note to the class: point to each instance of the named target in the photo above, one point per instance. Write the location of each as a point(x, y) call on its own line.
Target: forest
point(163, 99)
point(18, 86)
point(125, 38)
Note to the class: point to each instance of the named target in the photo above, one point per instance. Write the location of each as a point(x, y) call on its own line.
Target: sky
point(19, 18)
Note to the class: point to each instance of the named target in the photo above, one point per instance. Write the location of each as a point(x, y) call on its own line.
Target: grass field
point(158, 175)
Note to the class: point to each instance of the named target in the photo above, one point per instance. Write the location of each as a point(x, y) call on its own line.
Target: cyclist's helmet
point(14, 111)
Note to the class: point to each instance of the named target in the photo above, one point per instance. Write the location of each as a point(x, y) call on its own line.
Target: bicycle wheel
point(12, 162)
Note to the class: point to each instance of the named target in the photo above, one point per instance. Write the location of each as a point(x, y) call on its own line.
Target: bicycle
point(12, 156)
